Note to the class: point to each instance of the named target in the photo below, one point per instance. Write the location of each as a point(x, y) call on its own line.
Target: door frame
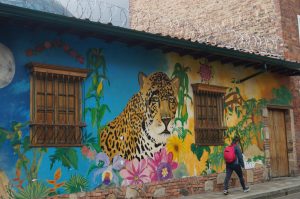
point(290, 138)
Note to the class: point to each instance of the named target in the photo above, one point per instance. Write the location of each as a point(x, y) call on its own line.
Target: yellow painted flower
point(175, 146)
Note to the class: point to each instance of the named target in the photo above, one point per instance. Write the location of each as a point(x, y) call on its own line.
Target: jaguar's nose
point(166, 121)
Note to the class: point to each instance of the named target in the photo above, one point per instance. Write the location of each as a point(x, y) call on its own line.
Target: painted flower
point(47, 44)
point(175, 146)
point(87, 152)
point(106, 172)
point(135, 172)
point(107, 177)
point(73, 53)
point(29, 52)
point(80, 59)
point(101, 163)
point(162, 165)
point(66, 47)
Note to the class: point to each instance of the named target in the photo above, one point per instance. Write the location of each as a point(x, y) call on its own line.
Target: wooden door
point(278, 144)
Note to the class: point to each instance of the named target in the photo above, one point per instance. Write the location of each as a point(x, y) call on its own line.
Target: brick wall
point(289, 11)
point(174, 188)
point(212, 20)
point(295, 88)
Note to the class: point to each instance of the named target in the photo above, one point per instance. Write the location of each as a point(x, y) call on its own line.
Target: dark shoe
point(247, 189)
point(225, 192)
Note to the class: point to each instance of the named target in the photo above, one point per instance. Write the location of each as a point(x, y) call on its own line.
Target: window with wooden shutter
point(209, 114)
point(55, 98)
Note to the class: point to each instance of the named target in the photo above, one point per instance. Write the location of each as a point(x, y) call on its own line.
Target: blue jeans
point(238, 170)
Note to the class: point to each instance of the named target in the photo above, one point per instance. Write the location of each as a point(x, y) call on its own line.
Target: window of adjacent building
point(209, 114)
point(298, 17)
point(55, 105)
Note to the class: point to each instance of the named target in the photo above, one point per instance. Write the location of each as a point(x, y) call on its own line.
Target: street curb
point(274, 193)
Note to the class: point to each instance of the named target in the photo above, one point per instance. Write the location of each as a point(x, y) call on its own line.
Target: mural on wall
point(151, 140)
point(146, 122)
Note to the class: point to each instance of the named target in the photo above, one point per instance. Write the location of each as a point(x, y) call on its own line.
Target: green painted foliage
point(67, 156)
point(181, 73)
point(198, 150)
point(281, 96)
point(34, 190)
point(97, 65)
point(76, 183)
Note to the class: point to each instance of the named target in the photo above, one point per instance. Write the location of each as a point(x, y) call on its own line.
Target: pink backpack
point(229, 154)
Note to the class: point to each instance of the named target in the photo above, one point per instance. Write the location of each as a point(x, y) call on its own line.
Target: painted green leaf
point(76, 183)
point(34, 190)
point(91, 168)
point(26, 144)
point(67, 156)
point(101, 112)
point(94, 116)
point(2, 136)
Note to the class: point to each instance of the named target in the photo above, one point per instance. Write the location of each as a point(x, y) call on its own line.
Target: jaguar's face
point(160, 94)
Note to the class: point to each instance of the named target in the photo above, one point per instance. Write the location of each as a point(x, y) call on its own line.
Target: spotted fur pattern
point(146, 122)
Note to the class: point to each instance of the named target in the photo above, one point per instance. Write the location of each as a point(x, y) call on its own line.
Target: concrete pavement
point(277, 187)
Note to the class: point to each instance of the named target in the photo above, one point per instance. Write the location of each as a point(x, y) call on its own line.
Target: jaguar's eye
point(155, 99)
point(172, 99)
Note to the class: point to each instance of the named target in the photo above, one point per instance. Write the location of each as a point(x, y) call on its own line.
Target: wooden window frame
point(60, 130)
point(209, 117)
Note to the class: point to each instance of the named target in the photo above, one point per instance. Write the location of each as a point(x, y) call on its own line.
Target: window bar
point(53, 109)
point(66, 85)
point(197, 113)
point(63, 109)
point(45, 106)
point(56, 105)
point(222, 109)
point(206, 108)
point(80, 111)
point(213, 97)
point(200, 114)
point(34, 108)
point(75, 109)
point(218, 109)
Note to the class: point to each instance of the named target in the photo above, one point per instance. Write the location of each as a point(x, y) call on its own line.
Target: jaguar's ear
point(142, 79)
point(175, 84)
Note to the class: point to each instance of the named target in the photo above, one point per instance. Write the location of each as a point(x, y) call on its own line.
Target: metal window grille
point(209, 114)
point(55, 108)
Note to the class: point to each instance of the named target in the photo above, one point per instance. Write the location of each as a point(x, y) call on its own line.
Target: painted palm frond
point(34, 190)
point(76, 183)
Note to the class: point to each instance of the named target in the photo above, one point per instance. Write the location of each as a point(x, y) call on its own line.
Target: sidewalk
point(275, 188)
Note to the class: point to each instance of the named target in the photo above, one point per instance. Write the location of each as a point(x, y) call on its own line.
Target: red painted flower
point(80, 59)
point(73, 53)
point(47, 44)
point(66, 47)
point(29, 52)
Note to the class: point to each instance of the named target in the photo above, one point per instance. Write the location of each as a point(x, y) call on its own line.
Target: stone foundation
point(173, 188)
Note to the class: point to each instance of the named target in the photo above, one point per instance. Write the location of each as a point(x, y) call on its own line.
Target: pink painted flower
point(80, 59)
point(73, 53)
point(135, 172)
point(84, 150)
point(162, 165)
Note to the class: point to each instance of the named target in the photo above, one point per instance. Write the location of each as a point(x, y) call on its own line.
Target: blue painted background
point(123, 65)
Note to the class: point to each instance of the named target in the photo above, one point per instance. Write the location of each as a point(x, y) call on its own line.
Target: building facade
point(269, 28)
point(91, 106)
